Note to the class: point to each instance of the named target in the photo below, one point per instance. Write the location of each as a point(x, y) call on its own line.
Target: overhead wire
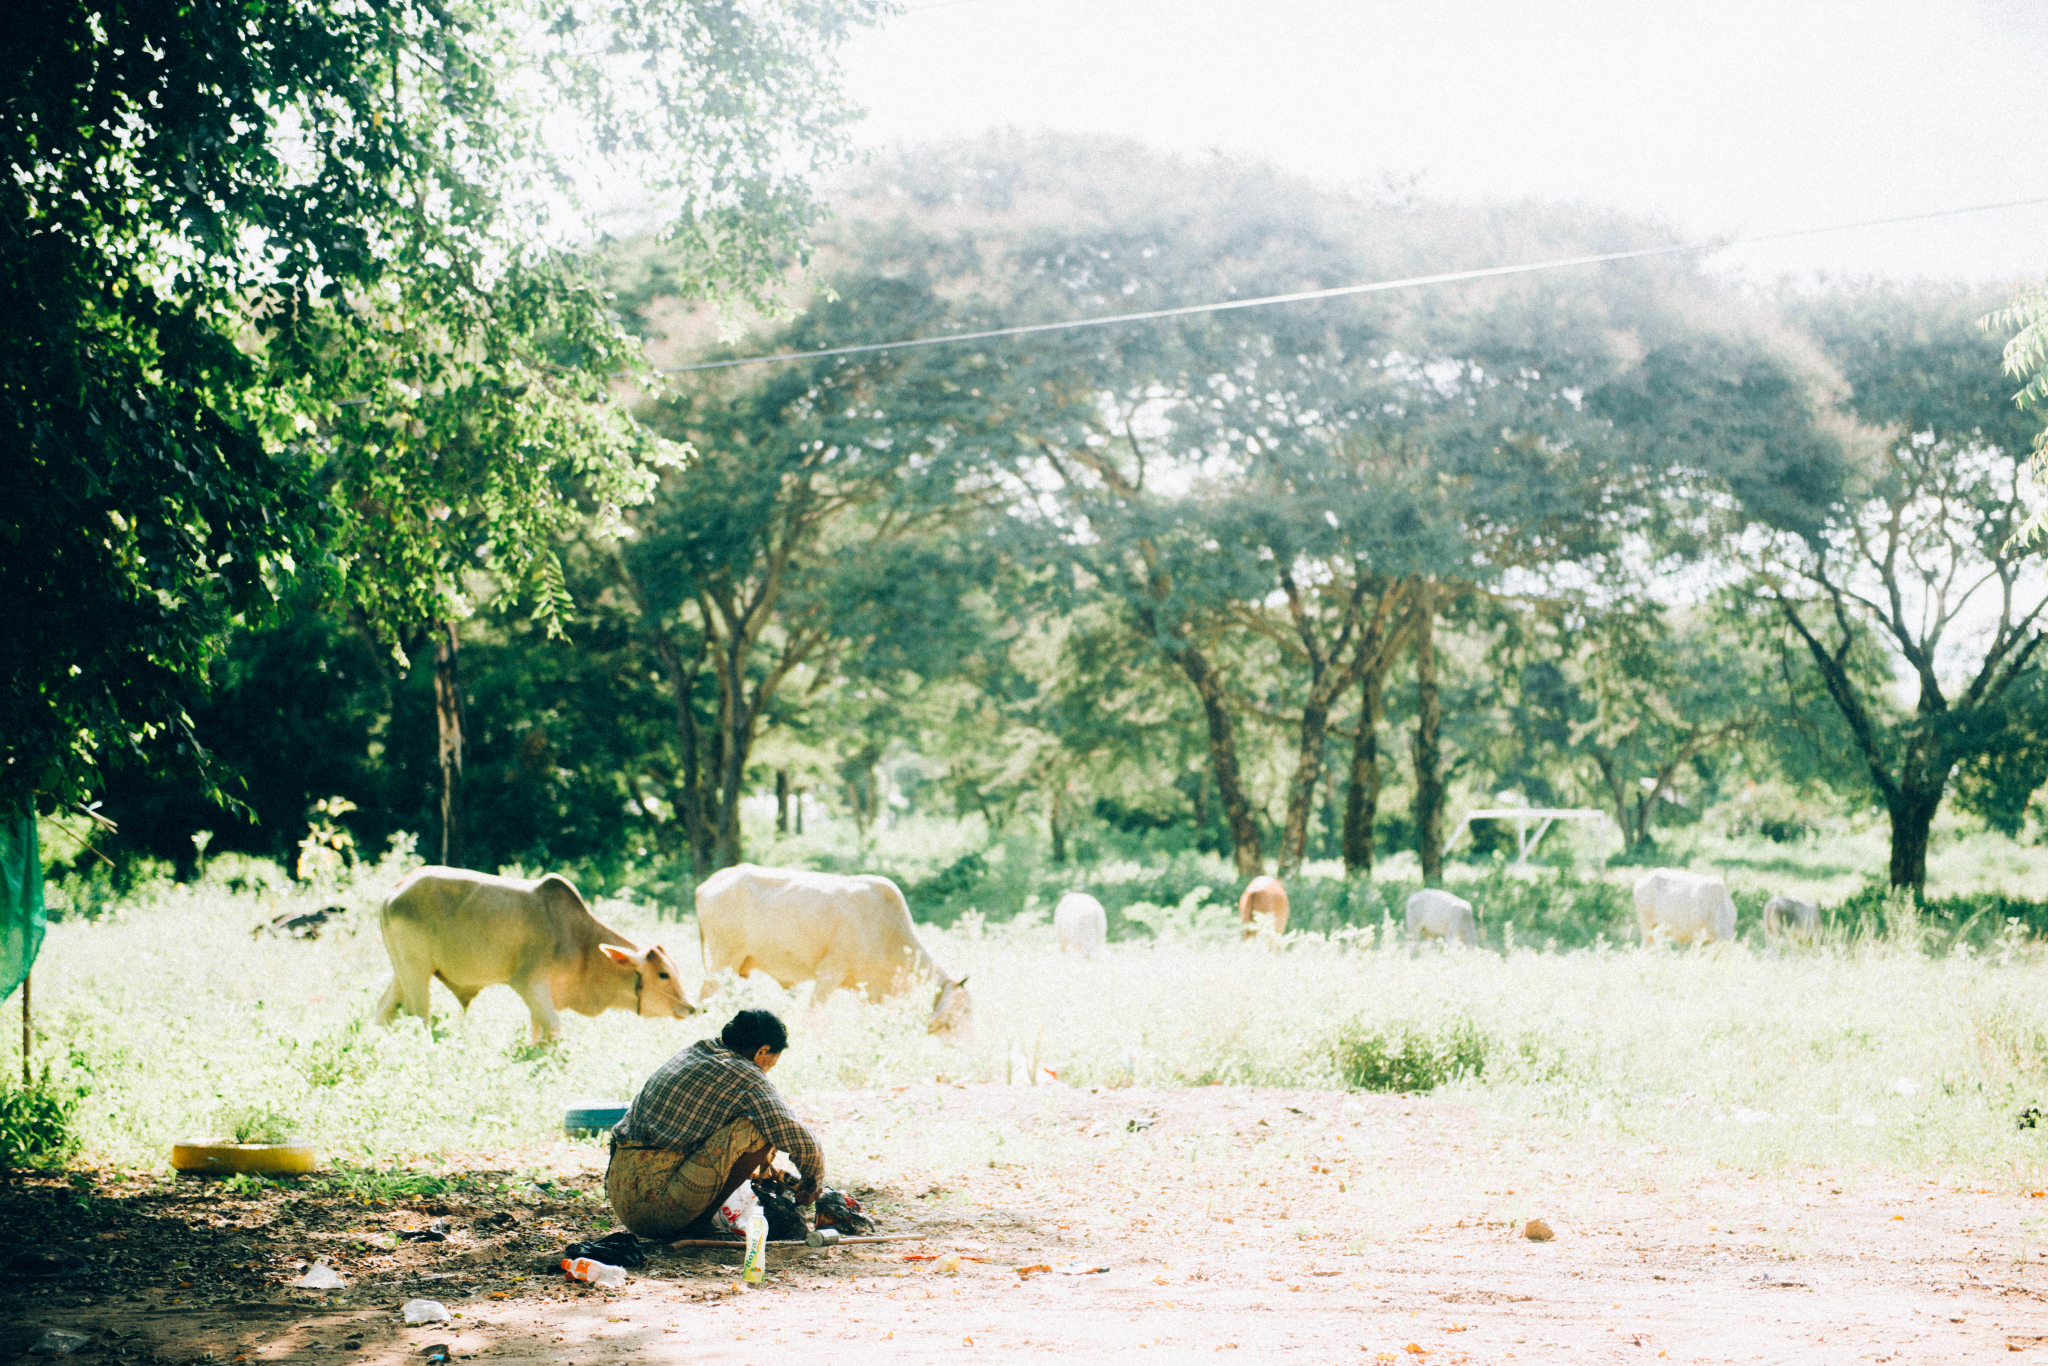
point(1343, 291)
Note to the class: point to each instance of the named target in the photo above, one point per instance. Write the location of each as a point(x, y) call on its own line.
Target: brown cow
point(1263, 904)
point(473, 930)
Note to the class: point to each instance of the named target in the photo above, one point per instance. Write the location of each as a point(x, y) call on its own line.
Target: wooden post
point(24, 1031)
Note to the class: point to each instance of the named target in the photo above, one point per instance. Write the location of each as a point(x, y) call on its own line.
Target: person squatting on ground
point(704, 1122)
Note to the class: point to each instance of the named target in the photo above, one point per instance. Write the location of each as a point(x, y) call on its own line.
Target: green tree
point(1918, 552)
point(286, 298)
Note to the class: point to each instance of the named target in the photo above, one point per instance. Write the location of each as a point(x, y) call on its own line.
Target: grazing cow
point(1687, 908)
point(1435, 914)
point(1081, 923)
point(799, 926)
point(473, 930)
point(1263, 905)
point(1787, 917)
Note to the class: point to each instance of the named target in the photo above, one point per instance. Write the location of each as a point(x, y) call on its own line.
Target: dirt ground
point(1275, 1225)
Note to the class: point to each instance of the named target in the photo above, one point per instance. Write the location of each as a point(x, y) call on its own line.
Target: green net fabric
point(21, 900)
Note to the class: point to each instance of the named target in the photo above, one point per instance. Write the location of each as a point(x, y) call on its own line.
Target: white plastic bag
point(426, 1311)
point(732, 1215)
point(320, 1276)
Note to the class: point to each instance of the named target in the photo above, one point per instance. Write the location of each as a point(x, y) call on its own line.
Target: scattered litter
point(2030, 1117)
point(436, 1353)
point(61, 1341)
point(1138, 1124)
point(619, 1249)
point(1080, 1268)
point(777, 1196)
point(823, 1237)
point(1537, 1231)
point(320, 1276)
point(920, 1256)
point(949, 1265)
point(426, 1311)
point(422, 1235)
point(601, 1274)
point(438, 1226)
point(1027, 1272)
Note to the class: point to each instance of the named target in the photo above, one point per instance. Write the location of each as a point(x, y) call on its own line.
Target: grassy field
point(1899, 1043)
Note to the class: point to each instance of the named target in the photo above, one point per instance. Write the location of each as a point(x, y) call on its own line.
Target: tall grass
point(1883, 1045)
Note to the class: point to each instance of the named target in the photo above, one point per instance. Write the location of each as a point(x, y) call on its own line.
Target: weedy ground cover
point(1884, 1045)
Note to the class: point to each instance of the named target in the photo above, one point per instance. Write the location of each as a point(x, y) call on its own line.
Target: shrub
point(37, 1124)
point(258, 1123)
point(1396, 1056)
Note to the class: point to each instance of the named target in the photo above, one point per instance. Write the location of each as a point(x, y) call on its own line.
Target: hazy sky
point(1730, 117)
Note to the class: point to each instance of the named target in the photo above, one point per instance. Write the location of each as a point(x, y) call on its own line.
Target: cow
point(1435, 914)
point(1787, 917)
point(836, 931)
point(1081, 924)
point(1686, 908)
point(1263, 905)
point(473, 930)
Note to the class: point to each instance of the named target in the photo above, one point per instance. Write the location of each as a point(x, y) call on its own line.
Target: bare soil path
point(1260, 1224)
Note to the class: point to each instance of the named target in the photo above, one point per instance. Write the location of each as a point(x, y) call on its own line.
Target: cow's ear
point(619, 955)
point(960, 982)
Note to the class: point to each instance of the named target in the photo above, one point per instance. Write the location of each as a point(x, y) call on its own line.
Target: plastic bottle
point(602, 1274)
point(757, 1247)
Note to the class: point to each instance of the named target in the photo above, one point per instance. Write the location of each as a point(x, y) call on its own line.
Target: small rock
point(1538, 1232)
point(61, 1342)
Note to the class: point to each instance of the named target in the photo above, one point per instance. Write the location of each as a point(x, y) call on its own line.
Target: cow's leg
point(387, 1007)
point(413, 978)
point(540, 1000)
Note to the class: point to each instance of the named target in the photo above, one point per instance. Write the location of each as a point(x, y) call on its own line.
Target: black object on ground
point(614, 1249)
point(422, 1235)
point(778, 1201)
point(435, 1353)
point(837, 1209)
point(2030, 1118)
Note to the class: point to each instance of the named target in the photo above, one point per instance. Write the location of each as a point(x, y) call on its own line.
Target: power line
point(1344, 291)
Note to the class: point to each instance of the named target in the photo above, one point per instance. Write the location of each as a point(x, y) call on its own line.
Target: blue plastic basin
point(593, 1116)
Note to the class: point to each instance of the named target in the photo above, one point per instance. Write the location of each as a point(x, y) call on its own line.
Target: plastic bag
point(426, 1311)
point(732, 1215)
point(601, 1274)
point(837, 1209)
point(320, 1276)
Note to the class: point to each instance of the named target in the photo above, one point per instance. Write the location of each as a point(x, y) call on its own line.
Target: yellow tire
point(255, 1159)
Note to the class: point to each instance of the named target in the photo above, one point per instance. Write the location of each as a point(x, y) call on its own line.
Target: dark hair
point(752, 1030)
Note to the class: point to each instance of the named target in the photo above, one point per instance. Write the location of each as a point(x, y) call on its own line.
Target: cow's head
point(661, 986)
point(952, 1009)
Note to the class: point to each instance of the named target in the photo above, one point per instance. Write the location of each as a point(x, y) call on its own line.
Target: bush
point(258, 1123)
point(37, 1124)
point(1396, 1056)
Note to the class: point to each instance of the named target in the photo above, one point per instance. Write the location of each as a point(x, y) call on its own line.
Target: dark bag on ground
point(614, 1249)
point(837, 1209)
point(778, 1201)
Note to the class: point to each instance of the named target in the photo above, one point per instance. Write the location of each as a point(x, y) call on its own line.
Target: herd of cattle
point(473, 930)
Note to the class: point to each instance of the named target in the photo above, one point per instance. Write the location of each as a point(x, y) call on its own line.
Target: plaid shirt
point(706, 1087)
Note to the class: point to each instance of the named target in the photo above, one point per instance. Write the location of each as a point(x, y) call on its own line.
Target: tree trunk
point(682, 683)
point(800, 809)
point(1362, 801)
point(1429, 776)
point(448, 721)
point(1059, 834)
point(1912, 814)
point(1301, 790)
point(1237, 810)
point(782, 801)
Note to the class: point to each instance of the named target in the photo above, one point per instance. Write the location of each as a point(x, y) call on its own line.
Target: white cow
point(1687, 908)
point(1787, 917)
point(1435, 914)
point(1081, 923)
point(473, 930)
point(800, 926)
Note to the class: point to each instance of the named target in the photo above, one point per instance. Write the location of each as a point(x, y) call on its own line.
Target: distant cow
point(799, 926)
point(473, 930)
point(1081, 924)
point(1263, 904)
point(1787, 917)
point(1435, 914)
point(1688, 908)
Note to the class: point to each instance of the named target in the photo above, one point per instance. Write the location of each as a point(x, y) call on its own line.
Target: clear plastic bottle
point(752, 1268)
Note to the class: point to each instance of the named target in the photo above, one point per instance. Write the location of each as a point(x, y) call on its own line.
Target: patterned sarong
point(658, 1192)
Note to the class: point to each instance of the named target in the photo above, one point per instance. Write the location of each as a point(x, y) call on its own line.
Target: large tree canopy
point(288, 290)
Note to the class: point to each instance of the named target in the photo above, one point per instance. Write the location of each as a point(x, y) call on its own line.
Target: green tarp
point(21, 900)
